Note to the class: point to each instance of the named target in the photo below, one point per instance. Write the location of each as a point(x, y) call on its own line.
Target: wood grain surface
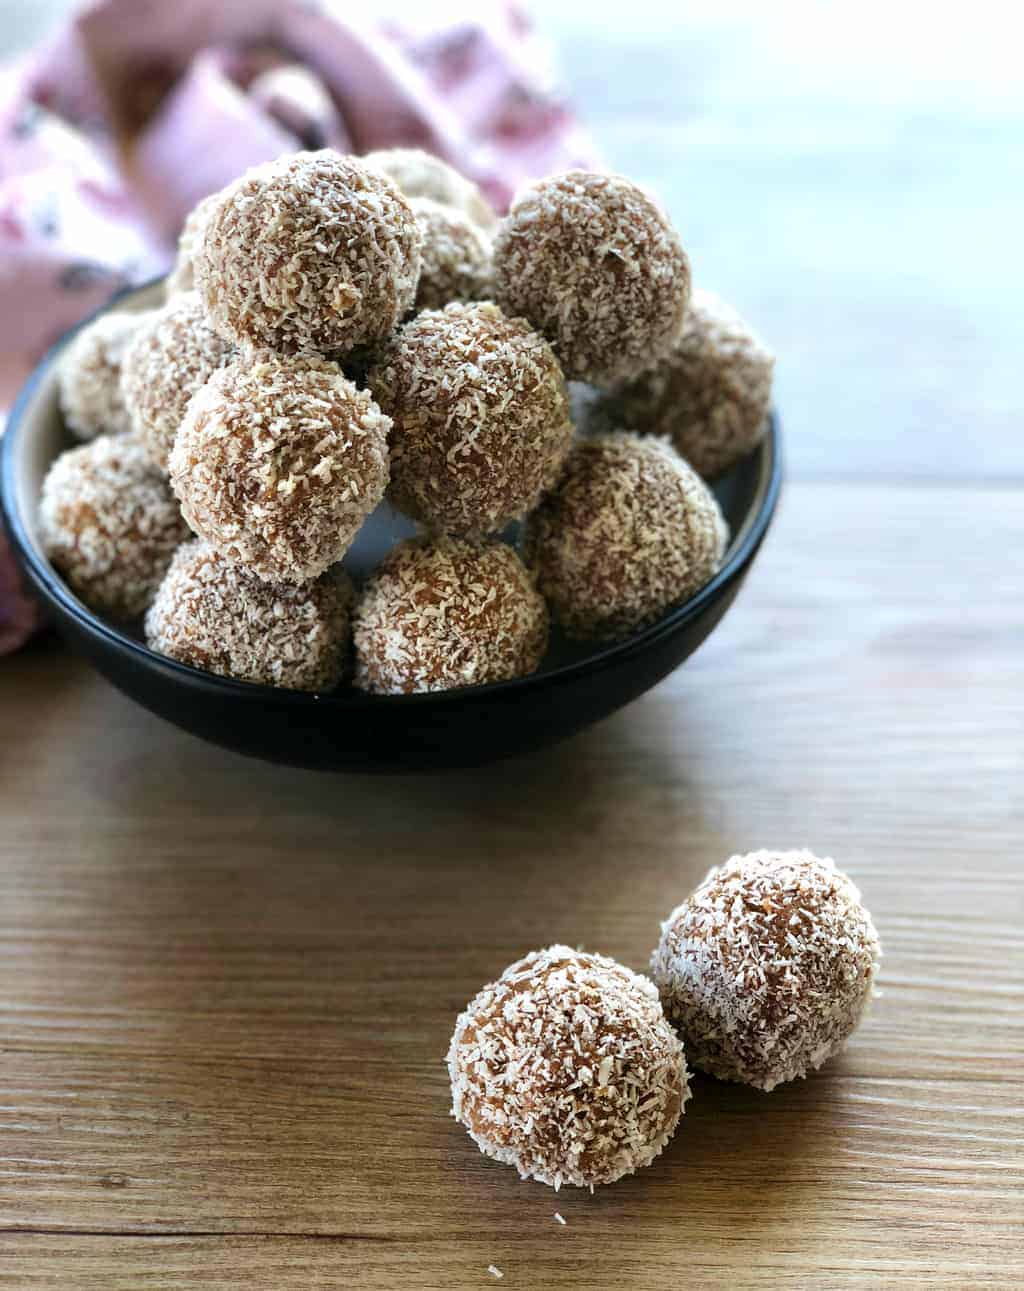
point(226, 988)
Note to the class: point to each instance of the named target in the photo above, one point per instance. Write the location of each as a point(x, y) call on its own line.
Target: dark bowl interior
point(345, 729)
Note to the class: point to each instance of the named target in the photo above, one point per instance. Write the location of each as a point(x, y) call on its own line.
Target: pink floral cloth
point(112, 132)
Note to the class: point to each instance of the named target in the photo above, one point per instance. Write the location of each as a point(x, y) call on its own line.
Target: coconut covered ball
point(767, 969)
point(315, 252)
point(89, 376)
point(183, 275)
point(710, 395)
point(449, 613)
point(278, 462)
point(211, 614)
point(420, 174)
point(566, 1068)
point(595, 265)
point(630, 531)
point(170, 357)
point(456, 261)
point(481, 417)
point(109, 524)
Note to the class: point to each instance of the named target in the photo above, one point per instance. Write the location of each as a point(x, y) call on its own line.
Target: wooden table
point(226, 989)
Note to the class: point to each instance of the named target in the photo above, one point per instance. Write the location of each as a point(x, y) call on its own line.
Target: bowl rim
point(54, 590)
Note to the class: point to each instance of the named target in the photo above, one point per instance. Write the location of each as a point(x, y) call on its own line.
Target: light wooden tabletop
point(226, 989)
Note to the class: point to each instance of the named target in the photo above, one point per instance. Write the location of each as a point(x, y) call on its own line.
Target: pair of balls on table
point(572, 1068)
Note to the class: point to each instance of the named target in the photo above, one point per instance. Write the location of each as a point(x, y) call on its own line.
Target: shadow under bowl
point(346, 730)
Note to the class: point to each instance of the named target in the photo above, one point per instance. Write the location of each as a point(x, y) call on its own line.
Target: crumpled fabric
point(137, 109)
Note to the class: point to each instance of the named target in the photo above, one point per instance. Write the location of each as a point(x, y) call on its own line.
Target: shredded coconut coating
point(89, 376)
point(629, 532)
point(595, 265)
point(710, 396)
point(109, 524)
point(456, 261)
point(278, 462)
point(316, 252)
point(211, 614)
point(448, 613)
point(566, 1068)
point(420, 174)
point(170, 357)
point(481, 417)
point(183, 274)
point(767, 969)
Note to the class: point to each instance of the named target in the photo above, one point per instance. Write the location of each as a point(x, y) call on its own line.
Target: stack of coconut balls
point(341, 330)
point(572, 1068)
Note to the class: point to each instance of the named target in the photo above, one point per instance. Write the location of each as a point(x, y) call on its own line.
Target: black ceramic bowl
point(346, 730)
